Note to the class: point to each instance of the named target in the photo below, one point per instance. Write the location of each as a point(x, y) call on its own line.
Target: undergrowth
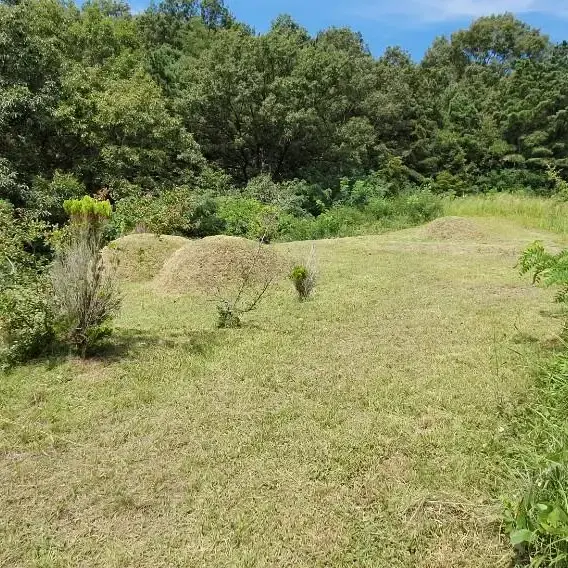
point(537, 514)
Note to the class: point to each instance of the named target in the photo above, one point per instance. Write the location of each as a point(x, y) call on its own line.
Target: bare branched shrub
point(304, 276)
point(85, 293)
point(255, 279)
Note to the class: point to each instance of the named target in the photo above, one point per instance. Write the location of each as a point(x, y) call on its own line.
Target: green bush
point(550, 269)
point(513, 180)
point(304, 277)
point(381, 208)
point(359, 192)
point(26, 321)
point(26, 318)
point(283, 196)
point(47, 196)
point(536, 518)
point(447, 183)
point(418, 207)
point(248, 217)
point(168, 213)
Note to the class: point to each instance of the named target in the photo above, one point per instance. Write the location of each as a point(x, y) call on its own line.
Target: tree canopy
point(96, 98)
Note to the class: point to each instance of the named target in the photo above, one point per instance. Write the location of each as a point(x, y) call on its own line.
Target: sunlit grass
point(529, 211)
point(356, 429)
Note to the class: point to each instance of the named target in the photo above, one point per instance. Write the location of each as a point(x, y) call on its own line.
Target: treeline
point(166, 110)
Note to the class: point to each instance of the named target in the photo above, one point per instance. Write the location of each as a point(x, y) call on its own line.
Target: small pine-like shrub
point(85, 294)
point(303, 280)
point(304, 277)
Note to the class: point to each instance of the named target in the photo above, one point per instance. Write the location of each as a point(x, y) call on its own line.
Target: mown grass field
point(361, 428)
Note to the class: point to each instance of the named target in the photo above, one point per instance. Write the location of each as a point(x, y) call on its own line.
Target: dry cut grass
point(206, 265)
point(140, 256)
point(360, 428)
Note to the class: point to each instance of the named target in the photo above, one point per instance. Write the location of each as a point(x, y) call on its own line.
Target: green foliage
point(227, 316)
point(87, 209)
point(248, 217)
point(537, 516)
point(283, 196)
point(25, 310)
point(46, 197)
point(179, 211)
point(550, 269)
point(418, 207)
point(26, 321)
point(181, 98)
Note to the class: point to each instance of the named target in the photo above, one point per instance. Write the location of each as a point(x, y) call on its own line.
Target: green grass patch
point(537, 513)
point(529, 211)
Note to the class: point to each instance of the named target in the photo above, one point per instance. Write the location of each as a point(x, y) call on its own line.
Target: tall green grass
point(530, 211)
point(537, 515)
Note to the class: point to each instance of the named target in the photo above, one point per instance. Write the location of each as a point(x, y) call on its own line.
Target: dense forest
point(190, 122)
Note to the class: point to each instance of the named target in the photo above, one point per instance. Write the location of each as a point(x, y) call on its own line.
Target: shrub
point(380, 207)
point(282, 196)
point(418, 207)
point(26, 321)
point(254, 281)
point(25, 310)
point(560, 184)
point(312, 199)
point(550, 269)
point(537, 517)
point(304, 277)
point(85, 294)
point(447, 183)
point(47, 196)
point(248, 217)
point(167, 213)
point(177, 211)
point(512, 180)
point(360, 192)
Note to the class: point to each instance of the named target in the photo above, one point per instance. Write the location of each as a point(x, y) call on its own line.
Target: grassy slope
point(355, 429)
point(531, 212)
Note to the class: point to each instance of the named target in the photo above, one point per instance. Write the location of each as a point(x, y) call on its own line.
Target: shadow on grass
point(127, 343)
point(551, 344)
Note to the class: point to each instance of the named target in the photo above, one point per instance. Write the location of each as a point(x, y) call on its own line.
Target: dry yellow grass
point(453, 228)
point(213, 263)
point(361, 428)
point(140, 256)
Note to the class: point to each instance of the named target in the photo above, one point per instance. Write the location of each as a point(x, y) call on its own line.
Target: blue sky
point(412, 24)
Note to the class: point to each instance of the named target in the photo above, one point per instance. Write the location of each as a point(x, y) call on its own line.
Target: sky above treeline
point(411, 24)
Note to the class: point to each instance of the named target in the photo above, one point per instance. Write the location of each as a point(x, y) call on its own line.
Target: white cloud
point(447, 10)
